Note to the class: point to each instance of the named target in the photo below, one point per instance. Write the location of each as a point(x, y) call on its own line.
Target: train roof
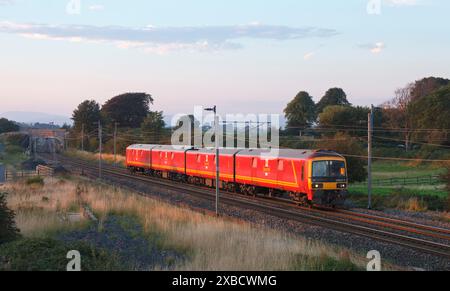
point(157, 147)
point(280, 153)
point(289, 153)
point(212, 151)
point(141, 146)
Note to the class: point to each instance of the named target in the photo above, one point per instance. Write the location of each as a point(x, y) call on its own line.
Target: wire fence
point(407, 181)
point(41, 171)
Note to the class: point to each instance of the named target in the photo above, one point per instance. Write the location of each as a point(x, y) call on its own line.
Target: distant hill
point(36, 117)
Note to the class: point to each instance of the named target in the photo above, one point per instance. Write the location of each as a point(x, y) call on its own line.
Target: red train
point(312, 177)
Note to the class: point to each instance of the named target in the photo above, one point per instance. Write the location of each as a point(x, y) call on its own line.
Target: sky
point(245, 56)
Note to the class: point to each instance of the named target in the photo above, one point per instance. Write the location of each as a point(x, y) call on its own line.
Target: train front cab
point(328, 181)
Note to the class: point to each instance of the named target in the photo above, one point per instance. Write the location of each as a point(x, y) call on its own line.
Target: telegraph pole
point(369, 154)
point(216, 124)
point(82, 137)
point(217, 138)
point(100, 150)
point(66, 141)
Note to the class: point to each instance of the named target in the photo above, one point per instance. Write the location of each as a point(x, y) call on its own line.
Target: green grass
point(388, 169)
point(324, 263)
point(412, 190)
point(423, 196)
point(13, 156)
point(47, 254)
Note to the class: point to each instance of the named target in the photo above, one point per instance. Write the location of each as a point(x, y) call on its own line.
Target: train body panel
point(139, 156)
point(202, 163)
point(311, 176)
point(168, 159)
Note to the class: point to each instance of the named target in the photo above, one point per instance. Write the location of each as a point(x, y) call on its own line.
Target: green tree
point(153, 127)
point(301, 111)
point(8, 229)
point(87, 114)
point(334, 96)
point(432, 112)
point(129, 109)
point(344, 144)
point(346, 118)
point(426, 86)
point(7, 126)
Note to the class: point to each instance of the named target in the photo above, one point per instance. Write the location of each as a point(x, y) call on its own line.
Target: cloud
point(308, 56)
point(96, 7)
point(7, 2)
point(403, 2)
point(374, 48)
point(165, 39)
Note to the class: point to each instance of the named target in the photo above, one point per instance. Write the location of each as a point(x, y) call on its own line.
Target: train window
point(280, 165)
point(255, 163)
point(303, 172)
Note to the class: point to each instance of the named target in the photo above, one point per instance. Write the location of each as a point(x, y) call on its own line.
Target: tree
point(300, 112)
point(8, 229)
point(432, 112)
point(129, 109)
point(153, 127)
point(8, 126)
point(334, 96)
point(87, 114)
point(426, 86)
point(344, 144)
point(346, 118)
point(397, 116)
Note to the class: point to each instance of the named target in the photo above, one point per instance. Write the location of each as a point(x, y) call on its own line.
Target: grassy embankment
point(207, 243)
point(88, 156)
point(414, 197)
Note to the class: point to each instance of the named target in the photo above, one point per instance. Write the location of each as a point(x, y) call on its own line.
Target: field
point(193, 241)
point(430, 191)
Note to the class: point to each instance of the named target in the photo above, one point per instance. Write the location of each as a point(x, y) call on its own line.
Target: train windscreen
point(328, 169)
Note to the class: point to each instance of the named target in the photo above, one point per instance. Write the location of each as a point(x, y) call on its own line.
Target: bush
point(38, 180)
point(8, 229)
point(50, 255)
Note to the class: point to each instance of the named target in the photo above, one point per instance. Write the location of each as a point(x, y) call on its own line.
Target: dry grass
point(88, 156)
point(214, 244)
point(414, 204)
point(211, 243)
point(445, 216)
point(42, 209)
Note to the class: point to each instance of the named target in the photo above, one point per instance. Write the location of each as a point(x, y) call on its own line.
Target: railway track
point(422, 238)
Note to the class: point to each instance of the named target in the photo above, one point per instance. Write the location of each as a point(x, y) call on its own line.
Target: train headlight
point(317, 186)
point(342, 185)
